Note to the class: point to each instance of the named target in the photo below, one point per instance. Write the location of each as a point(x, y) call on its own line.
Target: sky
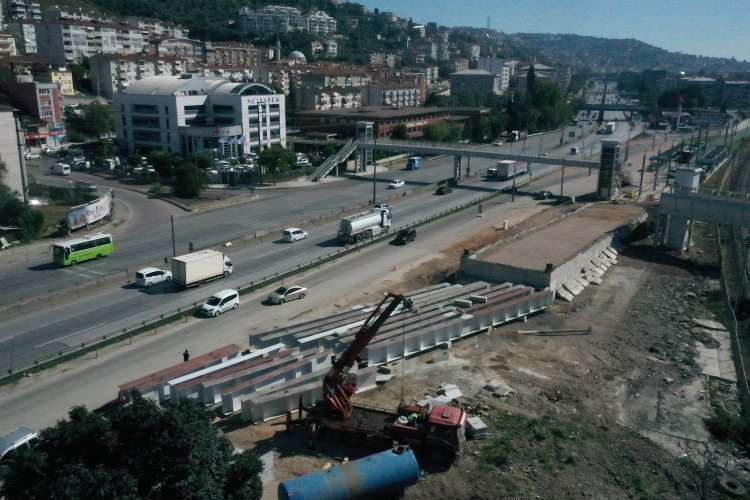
point(719, 28)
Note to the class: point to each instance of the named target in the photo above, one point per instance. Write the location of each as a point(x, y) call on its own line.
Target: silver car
point(286, 293)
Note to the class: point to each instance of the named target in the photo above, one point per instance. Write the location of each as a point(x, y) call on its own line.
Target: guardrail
point(175, 314)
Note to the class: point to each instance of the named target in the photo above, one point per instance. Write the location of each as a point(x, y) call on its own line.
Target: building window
point(43, 91)
point(46, 114)
point(145, 108)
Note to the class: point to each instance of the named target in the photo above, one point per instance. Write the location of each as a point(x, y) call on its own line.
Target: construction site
point(579, 369)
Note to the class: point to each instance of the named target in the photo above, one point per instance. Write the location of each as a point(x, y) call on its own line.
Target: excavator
point(436, 433)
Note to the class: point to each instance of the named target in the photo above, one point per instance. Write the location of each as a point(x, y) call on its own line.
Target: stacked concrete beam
point(156, 385)
point(191, 389)
point(264, 405)
point(206, 389)
point(304, 365)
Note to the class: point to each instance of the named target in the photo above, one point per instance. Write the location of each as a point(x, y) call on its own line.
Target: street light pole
point(374, 169)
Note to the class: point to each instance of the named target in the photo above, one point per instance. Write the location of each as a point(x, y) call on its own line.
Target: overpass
point(455, 149)
point(612, 107)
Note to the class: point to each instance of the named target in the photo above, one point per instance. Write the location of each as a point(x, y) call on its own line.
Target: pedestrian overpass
point(364, 147)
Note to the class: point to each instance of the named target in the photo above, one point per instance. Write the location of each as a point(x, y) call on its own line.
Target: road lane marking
point(7, 339)
point(68, 336)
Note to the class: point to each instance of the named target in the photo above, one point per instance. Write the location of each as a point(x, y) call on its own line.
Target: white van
point(221, 302)
point(60, 169)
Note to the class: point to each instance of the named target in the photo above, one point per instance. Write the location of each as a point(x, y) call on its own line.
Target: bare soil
point(616, 413)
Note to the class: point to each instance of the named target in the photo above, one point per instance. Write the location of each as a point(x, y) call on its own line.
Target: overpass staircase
point(333, 160)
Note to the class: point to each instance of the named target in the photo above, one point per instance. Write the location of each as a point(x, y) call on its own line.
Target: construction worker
point(412, 418)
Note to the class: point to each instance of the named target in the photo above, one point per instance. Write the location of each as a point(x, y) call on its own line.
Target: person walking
point(185, 355)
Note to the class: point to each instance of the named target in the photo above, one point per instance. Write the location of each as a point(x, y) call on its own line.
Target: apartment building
point(112, 73)
point(19, 10)
point(59, 75)
point(14, 175)
point(183, 48)
point(7, 44)
point(64, 41)
point(500, 67)
point(191, 113)
point(408, 94)
point(281, 19)
point(233, 54)
point(24, 33)
point(39, 100)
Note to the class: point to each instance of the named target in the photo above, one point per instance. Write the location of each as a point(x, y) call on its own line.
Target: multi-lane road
point(65, 307)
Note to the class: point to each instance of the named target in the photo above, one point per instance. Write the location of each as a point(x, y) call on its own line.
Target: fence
point(173, 315)
point(739, 365)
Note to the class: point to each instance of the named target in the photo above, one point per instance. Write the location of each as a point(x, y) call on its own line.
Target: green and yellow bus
point(92, 246)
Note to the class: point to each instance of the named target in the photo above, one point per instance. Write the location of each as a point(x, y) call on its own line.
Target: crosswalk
point(82, 271)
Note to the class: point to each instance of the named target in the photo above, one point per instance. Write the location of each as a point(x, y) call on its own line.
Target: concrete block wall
point(473, 268)
point(575, 265)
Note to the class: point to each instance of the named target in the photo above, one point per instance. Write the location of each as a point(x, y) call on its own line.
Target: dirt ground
point(613, 414)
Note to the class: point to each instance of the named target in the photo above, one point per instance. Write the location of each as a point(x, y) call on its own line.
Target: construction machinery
point(435, 433)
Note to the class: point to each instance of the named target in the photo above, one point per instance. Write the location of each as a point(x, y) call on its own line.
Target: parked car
point(293, 234)
point(286, 293)
point(220, 302)
point(543, 195)
point(406, 235)
point(32, 156)
point(150, 276)
point(397, 183)
point(497, 143)
point(11, 444)
point(444, 190)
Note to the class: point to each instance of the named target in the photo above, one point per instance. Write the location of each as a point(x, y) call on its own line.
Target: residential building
point(325, 98)
point(736, 94)
point(63, 41)
point(7, 44)
point(500, 67)
point(191, 113)
point(332, 48)
point(182, 48)
point(474, 80)
point(24, 33)
point(232, 54)
point(425, 48)
point(156, 27)
point(60, 75)
point(406, 94)
point(271, 18)
point(19, 10)
point(14, 176)
point(39, 100)
point(337, 76)
point(460, 64)
point(382, 59)
point(319, 23)
point(75, 14)
point(112, 73)
point(232, 73)
point(470, 50)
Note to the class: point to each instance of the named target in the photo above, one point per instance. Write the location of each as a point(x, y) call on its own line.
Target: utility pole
point(174, 248)
point(562, 179)
point(643, 171)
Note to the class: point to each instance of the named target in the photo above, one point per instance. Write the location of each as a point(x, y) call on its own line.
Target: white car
point(395, 184)
point(220, 302)
point(497, 143)
point(150, 276)
point(286, 293)
point(51, 151)
point(293, 234)
point(32, 156)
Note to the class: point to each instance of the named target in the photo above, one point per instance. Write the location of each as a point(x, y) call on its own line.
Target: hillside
point(358, 30)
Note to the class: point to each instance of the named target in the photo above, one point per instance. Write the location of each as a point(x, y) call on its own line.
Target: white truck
point(364, 226)
point(196, 268)
point(60, 169)
point(609, 127)
point(507, 169)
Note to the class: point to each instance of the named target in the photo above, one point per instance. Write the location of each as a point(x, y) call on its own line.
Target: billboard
point(91, 212)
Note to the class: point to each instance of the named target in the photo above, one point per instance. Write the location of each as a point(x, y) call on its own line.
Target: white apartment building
point(7, 44)
point(190, 113)
point(319, 23)
point(500, 67)
point(25, 34)
point(112, 73)
point(397, 95)
point(63, 41)
point(15, 176)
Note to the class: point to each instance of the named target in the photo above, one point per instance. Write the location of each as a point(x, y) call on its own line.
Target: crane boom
point(338, 385)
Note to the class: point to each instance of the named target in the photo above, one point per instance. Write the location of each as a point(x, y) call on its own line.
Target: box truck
point(60, 169)
point(507, 169)
point(364, 226)
point(196, 268)
point(518, 135)
point(609, 127)
point(414, 162)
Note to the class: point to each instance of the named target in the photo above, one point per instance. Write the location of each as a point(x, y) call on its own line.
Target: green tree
point(143, 451)
point(276, 160)
point(530, 80)
point(98, 119)
point(399, 132)
point(162, 163)
point(189, 180)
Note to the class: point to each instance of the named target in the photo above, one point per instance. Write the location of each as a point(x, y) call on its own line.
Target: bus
point(92, 246)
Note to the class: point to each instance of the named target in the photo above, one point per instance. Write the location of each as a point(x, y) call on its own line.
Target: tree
point(531, 80)
point(98, 119)
point(162, 162)
point(189, 180)
point(399, 132)
point(276, 160)
point(143, 451)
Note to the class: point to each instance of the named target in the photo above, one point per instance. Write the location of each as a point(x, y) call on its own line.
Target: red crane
point(338, 385)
